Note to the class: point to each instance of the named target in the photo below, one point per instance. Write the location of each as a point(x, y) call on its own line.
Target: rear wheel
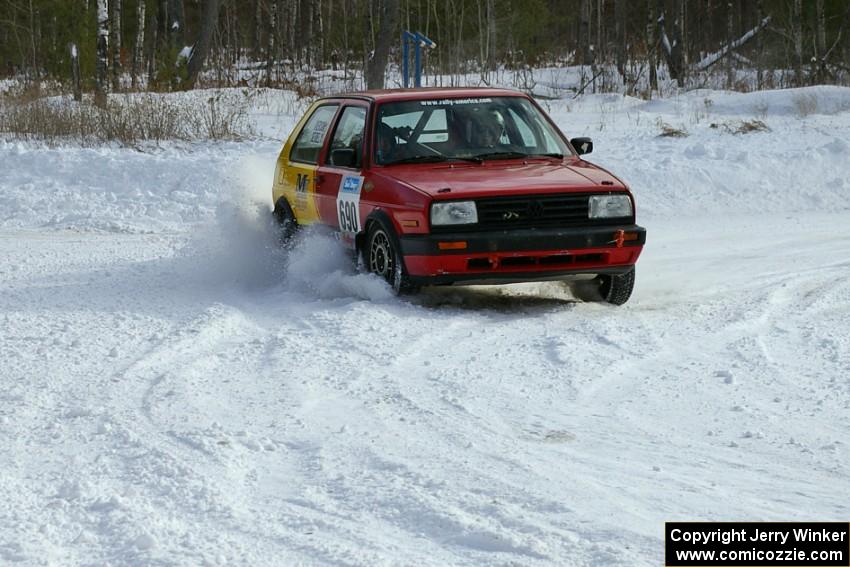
point(383, 258)
point(285, 222)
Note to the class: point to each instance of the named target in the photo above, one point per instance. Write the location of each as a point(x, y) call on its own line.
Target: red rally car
point(458, 186)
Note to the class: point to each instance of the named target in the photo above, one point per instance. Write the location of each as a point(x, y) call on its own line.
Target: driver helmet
point(490, 127)
point(385, 142)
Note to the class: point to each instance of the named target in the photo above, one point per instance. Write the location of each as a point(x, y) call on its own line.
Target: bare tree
point(798, 41)
point(139, 48)
point(258, 27)
point(730, 38)
point(620, 33)
point(759, 48)
point(317, 39)
point(586, 55)
point(271, 41)
point(491, 35)
point(376, 64)
point(209, 19)
point(115, 40)
point(153, 42)
point(75, 72)
point(102, 52)
point(176, 33)
point(651, 45)
point(672, 47)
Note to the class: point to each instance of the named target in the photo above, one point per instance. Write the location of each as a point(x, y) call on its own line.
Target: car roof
point(425, 93)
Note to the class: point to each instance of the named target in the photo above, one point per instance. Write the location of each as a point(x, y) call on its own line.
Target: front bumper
point(520, 255)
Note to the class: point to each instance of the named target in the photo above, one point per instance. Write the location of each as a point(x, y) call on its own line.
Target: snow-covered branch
point(713, 58)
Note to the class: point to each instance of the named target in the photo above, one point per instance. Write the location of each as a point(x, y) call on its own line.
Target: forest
point(160, 45)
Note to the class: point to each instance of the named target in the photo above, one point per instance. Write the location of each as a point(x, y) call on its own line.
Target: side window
point(436, 129)
point(525, 132)
point(349, 135)
point(308, 144)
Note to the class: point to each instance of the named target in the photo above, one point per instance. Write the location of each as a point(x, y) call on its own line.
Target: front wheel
point(615, 289)
point(384, 258)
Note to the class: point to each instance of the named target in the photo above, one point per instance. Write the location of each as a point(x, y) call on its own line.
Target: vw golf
point(458, 186)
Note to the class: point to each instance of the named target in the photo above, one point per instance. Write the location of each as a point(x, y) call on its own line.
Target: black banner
point(757, 544)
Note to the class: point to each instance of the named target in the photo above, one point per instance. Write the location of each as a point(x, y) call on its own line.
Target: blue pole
point(418, 56)
point(418, 40)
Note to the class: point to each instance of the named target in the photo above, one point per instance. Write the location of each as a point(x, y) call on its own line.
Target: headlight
point(454, 212)
point(609, 206)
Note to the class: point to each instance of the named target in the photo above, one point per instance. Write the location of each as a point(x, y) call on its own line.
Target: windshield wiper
point(555, 155)
point(515, 155)
point(433, 159)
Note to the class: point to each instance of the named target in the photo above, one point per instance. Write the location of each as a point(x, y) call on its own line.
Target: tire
point(613, 289)
point(617, 289)
point(285, 223)
point(383, 258)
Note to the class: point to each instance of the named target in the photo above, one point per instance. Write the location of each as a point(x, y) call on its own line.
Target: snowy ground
point(175, 391)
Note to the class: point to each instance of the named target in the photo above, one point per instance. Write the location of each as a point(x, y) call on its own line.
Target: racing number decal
point(348, 203)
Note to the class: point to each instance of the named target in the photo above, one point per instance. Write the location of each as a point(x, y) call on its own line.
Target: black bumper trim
point(501, 278)
point(531, 239)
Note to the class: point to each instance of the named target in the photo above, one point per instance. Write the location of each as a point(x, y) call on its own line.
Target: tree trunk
point(759, 49)
point(651, 45)
point(292, 29)
point(376, 65)
point(817, 61)
point(209, 19)
point(730, 38)
point(586, 55)
point(271, 42)
point(620, 32)
point(491, 35)
point(821, 27)
point(75, 72)
point(115, 40)
point(139, 48)
point(152, 47)
point(258, 28)
point(318, 38)
point(798, 41)
point(672, 46)
point(102, 52)
point(680, 37)
point(176, 18)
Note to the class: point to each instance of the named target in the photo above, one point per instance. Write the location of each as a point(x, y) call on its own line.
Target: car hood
point(487, 179)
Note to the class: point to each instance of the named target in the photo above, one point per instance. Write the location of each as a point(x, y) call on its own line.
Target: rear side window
point(309, 142)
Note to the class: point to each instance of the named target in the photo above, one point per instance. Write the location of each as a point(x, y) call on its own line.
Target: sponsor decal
point(301, 182)
point(454, 101)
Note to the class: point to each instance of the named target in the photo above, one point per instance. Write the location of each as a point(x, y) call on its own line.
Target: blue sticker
point(350, 185)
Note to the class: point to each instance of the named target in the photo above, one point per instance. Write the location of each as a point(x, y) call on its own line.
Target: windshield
point(468, 129)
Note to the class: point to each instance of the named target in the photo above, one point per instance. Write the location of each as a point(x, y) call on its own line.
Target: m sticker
point(301, 181)
point(348, 203)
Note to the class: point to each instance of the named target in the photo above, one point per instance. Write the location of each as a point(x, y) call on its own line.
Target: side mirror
point(343, 157)
point(582, 145)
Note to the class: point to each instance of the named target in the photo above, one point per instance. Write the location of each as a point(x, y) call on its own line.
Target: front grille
point(534, 211)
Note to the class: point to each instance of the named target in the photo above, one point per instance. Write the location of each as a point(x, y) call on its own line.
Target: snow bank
point(798, 165)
